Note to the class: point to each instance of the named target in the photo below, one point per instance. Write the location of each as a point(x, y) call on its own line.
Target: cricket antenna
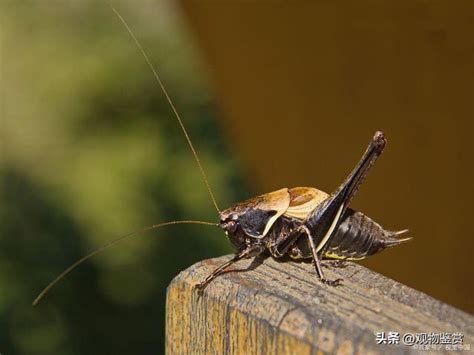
point(168, 98)
point(108, 245)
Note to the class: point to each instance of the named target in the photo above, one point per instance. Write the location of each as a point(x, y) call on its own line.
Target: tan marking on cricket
point(331, 229)
point(303, 201)
point(278, 201)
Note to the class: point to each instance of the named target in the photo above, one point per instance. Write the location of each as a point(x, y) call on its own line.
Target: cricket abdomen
point(358, 236)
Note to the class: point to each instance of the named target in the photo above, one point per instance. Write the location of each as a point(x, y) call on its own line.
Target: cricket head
point(230, 223)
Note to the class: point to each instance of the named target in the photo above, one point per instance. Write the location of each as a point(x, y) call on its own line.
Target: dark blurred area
point(89, 149)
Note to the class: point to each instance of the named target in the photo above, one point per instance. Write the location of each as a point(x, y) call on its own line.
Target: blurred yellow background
point(273, 94)
point(303, 86)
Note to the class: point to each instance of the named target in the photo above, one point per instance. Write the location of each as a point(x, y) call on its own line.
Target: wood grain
point(268, 306)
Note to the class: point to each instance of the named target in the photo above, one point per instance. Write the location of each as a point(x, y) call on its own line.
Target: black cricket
point(328, 229)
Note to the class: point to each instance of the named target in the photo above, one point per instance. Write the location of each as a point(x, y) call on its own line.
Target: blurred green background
point(89, 149)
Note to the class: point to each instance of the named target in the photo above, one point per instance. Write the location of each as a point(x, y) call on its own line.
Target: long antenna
point(157, 77)
point(106, 246)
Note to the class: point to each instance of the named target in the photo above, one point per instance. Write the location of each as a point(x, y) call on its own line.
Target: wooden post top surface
point(268, 306)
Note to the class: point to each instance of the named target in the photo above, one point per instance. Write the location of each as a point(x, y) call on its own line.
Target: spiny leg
point(252, 250)
point(316, 262)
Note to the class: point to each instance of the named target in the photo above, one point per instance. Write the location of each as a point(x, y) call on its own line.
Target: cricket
point(300, 223)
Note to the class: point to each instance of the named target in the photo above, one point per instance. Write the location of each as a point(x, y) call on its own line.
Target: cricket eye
point(231, 226)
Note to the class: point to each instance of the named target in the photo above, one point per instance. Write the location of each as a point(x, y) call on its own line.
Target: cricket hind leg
point(326, 217)
point(316, 261)
point(253, 250)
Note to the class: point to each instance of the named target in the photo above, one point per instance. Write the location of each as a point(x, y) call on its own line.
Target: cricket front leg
point(250, 251)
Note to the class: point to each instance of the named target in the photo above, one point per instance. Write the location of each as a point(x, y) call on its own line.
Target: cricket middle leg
point(316, 261)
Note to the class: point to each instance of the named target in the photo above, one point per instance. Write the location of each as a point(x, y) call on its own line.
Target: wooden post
point(271, 307)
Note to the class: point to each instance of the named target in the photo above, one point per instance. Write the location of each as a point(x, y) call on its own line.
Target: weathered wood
point(280, 307)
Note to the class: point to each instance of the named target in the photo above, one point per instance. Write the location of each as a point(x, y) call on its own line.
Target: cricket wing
point(303, 200)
